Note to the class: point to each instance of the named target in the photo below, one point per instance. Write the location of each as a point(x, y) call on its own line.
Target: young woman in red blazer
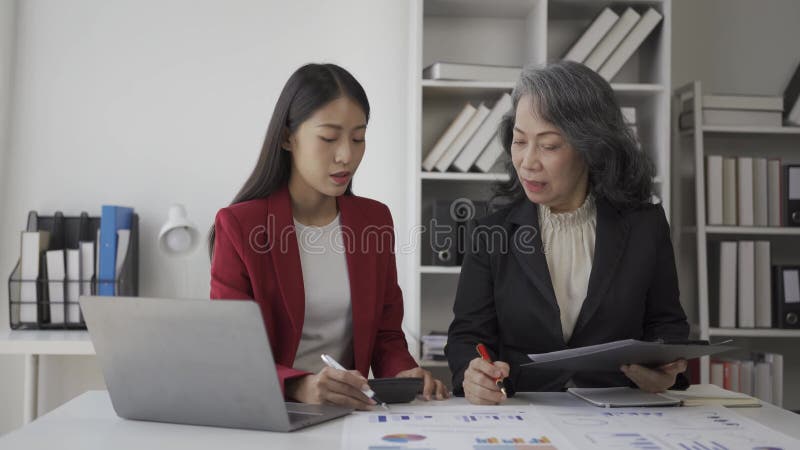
point(348, 303)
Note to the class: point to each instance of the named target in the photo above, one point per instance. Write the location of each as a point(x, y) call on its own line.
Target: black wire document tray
point(610, 356)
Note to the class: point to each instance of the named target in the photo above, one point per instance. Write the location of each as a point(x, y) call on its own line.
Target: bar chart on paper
point(666, 428)
point(486, 419)
point(475, 430)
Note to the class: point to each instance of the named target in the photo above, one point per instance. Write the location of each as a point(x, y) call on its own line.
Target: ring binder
point(75, 230)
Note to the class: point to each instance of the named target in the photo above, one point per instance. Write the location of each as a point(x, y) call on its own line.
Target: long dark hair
point(308, 89)
point(581, 104)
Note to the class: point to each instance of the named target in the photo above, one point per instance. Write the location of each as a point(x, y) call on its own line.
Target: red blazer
point(256, 257)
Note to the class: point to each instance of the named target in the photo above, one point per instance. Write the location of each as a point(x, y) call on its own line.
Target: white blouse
point(568, 240)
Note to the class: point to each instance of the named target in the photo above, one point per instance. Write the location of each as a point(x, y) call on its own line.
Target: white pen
point(330, 362)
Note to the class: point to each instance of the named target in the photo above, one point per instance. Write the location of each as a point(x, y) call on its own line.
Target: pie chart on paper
point(403, 438)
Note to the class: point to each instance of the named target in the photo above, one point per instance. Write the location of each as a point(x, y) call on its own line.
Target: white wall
point(151, 102)
point(7, 33)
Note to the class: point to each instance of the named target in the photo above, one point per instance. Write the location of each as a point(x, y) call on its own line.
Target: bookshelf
point(762, 231)
point(743, 130)
point(507, 33)
point(694, 245)
point(453, 176)
point(440, 269)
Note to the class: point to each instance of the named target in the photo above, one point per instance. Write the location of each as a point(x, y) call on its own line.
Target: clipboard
point(623, 397)
point(610, 356)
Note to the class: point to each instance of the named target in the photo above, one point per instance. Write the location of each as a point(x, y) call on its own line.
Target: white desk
point(31, 344)
point(88, 422)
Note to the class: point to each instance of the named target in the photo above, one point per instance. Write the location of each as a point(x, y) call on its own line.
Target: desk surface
point(45, 342)
point(88, 422)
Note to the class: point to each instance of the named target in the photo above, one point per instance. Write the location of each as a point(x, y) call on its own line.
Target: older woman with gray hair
point(579, 255)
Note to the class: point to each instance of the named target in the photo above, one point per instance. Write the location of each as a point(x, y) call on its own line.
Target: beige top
point(568, 240)
point(328, 320)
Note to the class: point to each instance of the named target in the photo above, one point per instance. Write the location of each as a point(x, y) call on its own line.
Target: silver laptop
point(196, 362)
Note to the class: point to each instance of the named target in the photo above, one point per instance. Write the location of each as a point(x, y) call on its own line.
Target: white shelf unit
point(33, 343)
point(757, 130)
point(754, 332)
point(46, 342)
point(763, 231)
point(434, 364)
point(464, 176)
point(692, 245)
point(508, 33)
point(440, 270)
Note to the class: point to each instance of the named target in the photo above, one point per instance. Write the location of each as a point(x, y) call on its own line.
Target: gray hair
point(582, 105)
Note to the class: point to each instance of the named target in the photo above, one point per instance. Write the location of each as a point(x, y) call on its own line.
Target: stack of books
point(629, 114)
point(735, 110)
point(612, 39)
point(760, 376)
point(433, 345)
point(471, 72)
point(744, 283)
point(751, 291)
point(746, 191)
point(470, 139)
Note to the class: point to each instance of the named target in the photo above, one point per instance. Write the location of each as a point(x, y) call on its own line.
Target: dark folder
point(443, 235)
point(448, 229)
point(786, 297)
point(792, 192)
point(610, 356)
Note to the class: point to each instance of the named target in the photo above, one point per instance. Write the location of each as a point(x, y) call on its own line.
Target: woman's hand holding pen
point(331, 386)
point(480, 385)
point(654, 380)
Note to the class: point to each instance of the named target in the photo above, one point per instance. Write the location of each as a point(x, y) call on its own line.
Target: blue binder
point(112, 218)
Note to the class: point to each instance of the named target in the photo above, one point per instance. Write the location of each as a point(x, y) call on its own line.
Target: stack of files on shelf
point(471, 72)
point(734, 110)
point(490, 155)
point(616, 33)
point(791, 99)
point(433, 346)
point(479, 143)
point(60, 260)
point(447, 138)
point(465, 135)
point(611, 40)
point(55, 263)
point(113, 240)
point(629, 114)
point(591, 37)
point(33, 244)
point(744, 191)
point(761, 376)
point(469, 140)
point(744, 286)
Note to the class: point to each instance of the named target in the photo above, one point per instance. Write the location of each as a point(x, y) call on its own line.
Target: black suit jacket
point(505, 297)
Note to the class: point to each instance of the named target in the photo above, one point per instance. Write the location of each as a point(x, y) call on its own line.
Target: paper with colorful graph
point(541, 427)
point(442, 428)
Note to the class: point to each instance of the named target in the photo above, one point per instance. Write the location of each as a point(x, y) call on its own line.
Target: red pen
point(485, 355)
